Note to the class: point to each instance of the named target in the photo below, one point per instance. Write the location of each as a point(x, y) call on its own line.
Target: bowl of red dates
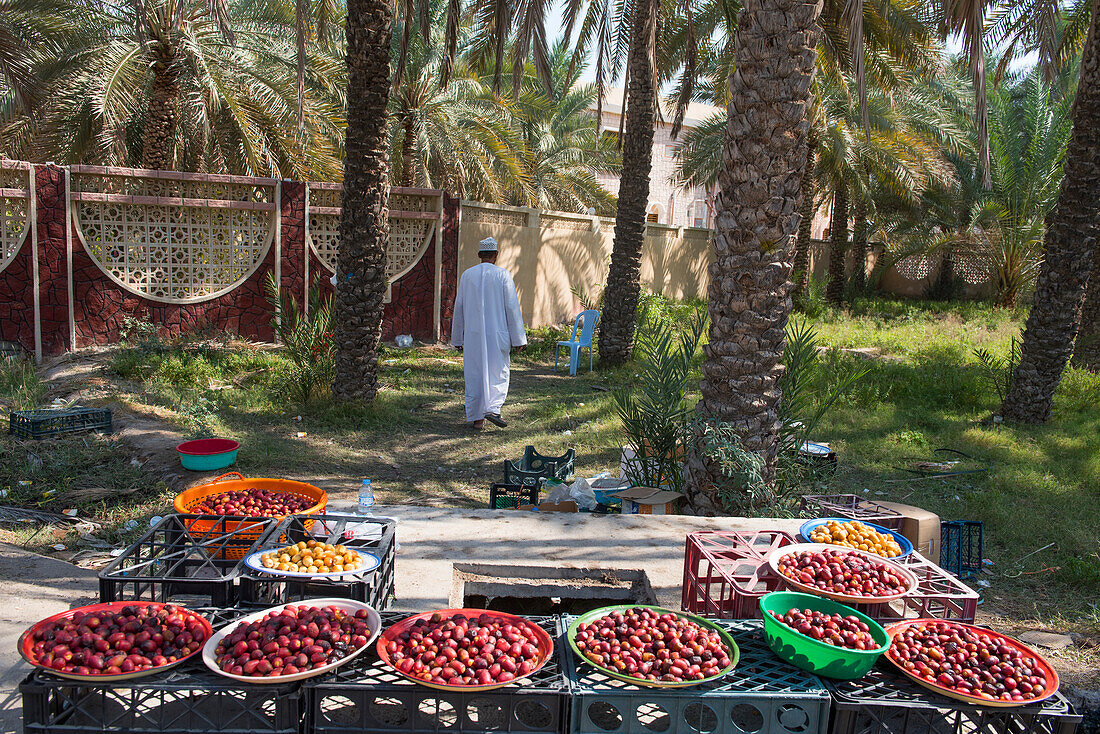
point(970, 663)
point(465, 649)
point(292, 641)
point(115, 641)
point(842, 574)
point(821, 635)
point(653, 647)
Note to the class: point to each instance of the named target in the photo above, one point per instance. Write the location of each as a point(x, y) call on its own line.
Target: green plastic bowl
point(208, 454)
point(813, 655)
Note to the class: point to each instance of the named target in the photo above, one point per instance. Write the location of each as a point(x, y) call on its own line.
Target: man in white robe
point(487, 325)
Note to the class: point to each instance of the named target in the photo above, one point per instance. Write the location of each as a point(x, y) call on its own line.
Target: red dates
point(137, 637)
point(849, 573)
point(832, 629)
point(649, 645)
point(252, 503)
point(968, 661)
point(293, 640)
point(466, 650)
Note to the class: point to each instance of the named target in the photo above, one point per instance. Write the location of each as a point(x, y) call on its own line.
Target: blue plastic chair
point(587, 321)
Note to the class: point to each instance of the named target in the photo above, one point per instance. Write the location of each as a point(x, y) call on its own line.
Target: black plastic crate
point(886, 702)
point(368, 697)
point(961, 547)
point(761, 694)
point(375, 587)
point(39, 424)
point(534, 467)
point(169, 563)
point(510, 496)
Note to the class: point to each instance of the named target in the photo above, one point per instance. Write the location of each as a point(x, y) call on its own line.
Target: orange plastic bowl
point(248, 533)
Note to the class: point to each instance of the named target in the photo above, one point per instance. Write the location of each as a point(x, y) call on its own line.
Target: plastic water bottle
point(366, 499)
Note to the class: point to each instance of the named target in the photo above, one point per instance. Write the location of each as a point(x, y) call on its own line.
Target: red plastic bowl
point(208, 446)
point(26, 641)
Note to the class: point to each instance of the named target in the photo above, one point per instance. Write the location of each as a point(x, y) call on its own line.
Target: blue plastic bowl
point(208, 454)
point(903, 542)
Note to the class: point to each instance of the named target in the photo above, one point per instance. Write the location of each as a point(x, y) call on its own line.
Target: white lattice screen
point(915, 267)
point(183, 239)
point(14, 203)
point(409, 237)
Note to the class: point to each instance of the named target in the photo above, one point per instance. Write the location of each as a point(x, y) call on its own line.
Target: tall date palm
point(749, 298)
point(364, 224)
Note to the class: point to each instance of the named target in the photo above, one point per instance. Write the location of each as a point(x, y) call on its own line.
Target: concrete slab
point(430, 540)
point(32, 587)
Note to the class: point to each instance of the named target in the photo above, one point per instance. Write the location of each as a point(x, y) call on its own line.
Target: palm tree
point(1071, 234)
point(364, 224)
point(764, 156)
point(1087, 350)
point(634, 26)
point(166, 84)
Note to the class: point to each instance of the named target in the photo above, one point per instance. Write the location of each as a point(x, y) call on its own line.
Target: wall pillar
point(292, 232)
point(449, 224)
point(52, 243)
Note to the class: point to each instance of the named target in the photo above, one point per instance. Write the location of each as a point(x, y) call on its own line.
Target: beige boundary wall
point(551, 253)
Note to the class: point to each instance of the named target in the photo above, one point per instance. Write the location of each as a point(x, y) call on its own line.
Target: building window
point(700, 210)
point(670, 151)
point(654, 214)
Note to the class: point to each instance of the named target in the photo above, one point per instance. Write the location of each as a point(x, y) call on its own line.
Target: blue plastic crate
point(763, 694)
point(961, 547)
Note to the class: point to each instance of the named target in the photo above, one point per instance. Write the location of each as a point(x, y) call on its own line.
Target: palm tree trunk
point(806, 221)
point(621, 294)
point(859, 245)
point(1074, 226)
point(408, 152)
point(1087, 351)
point(749, 296)
point(838, 227)
point(158, 146)
point(364, 226)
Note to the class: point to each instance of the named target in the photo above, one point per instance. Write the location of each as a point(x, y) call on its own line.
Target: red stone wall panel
point(17, 298)
point(411, 309)
point(53, 267)
point(101, 306)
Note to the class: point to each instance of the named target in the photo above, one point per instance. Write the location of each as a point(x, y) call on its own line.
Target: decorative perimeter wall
point(85, 248)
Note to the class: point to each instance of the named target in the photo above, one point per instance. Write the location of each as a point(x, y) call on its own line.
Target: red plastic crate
point(726, 573)
point(852, 507)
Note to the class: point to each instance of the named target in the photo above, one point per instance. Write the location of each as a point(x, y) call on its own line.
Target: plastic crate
point(168, 563)
point(510, 496)
point(885, 702)
point(534, 467)
point(726, 573)
point(368, 697)
point(375, 587)
point(39, 424)
point(762, 694)
point(850, 506)
point(961, 547)
point(189, 699)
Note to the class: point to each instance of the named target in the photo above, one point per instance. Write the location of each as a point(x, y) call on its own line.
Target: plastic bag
point(579, 491)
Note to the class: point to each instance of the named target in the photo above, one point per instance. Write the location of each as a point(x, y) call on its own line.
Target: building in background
point(669, 203)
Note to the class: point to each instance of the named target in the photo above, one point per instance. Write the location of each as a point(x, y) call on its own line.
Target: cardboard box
point(567, 506)
point(920, 527)
point(648, 501)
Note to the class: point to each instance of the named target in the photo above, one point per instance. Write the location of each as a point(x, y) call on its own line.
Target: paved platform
point(430, 541)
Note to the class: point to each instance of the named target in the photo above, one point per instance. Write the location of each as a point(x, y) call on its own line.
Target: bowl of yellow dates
point(313, 559)
point(858, 535)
